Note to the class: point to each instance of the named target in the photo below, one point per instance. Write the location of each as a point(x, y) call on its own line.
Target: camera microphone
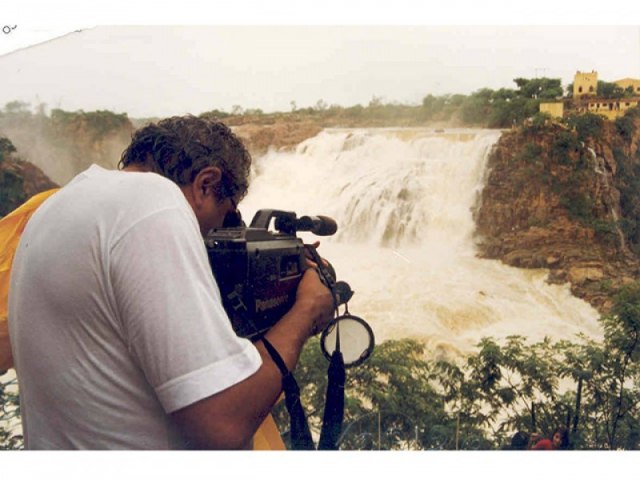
point(318, 225)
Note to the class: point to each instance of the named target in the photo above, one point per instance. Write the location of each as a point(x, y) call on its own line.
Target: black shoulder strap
point(300, 434)
point(334, 404)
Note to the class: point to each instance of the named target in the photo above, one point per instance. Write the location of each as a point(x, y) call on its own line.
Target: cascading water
point(403, 201)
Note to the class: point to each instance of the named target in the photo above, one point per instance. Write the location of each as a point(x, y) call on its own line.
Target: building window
point(580, 89)
point(591, 89)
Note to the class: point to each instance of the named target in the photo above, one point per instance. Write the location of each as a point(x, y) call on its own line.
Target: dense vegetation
point(9, 415)
point(502, 108)
point(485, 108)
point(64, 143)
point(11, 182)
point(400, 400)
point(574, 148)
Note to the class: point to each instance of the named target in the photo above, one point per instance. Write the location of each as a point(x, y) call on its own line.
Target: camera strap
point(300, 433)
point(334, 404)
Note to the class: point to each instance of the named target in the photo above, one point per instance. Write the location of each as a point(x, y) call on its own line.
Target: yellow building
point(555, 109)
point(585, 99)
point(611, 107)
point(629, 82)
point(585, 84)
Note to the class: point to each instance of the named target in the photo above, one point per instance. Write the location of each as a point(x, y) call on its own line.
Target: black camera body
point(257, 270)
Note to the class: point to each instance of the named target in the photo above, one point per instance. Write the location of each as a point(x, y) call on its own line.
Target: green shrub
point(579, 205)
point(530, 153)
point(625, 127)
point(563, 145)
point(11, 191)
point(6, 148)
point(587, 125)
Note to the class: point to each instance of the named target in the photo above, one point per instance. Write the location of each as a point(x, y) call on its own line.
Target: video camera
point(258, 271)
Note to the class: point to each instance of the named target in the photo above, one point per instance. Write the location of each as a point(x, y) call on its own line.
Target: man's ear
point(206, 182)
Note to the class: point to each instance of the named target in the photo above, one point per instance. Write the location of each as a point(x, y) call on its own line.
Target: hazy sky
point(162, 70)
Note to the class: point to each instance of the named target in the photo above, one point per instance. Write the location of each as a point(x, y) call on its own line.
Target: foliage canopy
point(400, 400)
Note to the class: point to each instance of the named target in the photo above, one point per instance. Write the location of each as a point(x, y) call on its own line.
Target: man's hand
point(316, 299)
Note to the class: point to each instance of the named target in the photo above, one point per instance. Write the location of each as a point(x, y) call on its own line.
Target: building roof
point(627, 79)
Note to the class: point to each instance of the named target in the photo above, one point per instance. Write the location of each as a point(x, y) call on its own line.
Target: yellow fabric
point(11, 227)
point(268, 437)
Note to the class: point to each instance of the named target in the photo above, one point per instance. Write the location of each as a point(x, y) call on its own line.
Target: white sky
point(257, 55)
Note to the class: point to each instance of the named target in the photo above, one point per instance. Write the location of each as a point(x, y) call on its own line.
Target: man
point(118, 333)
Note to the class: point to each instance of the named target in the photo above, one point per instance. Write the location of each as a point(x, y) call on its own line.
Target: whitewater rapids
point(403, 200)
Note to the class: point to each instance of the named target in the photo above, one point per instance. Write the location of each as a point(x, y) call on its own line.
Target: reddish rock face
point(552, 201)
point(19, 180)
point(279, 135)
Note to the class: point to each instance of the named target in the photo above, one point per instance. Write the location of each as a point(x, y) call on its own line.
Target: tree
point(569, 90)
point(16, 106)
point(587, 125)
point(391, 386)
point(11, 181)
point(477, 106)
point(6, 148)
point(375, 102)
point(622, 337)
point(10, 438)
point(321, 105)
point(625, 127)
point(609, 90)
point(539, 88)
point(433, 106)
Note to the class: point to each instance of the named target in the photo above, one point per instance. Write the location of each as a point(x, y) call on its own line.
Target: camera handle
point(341, 291)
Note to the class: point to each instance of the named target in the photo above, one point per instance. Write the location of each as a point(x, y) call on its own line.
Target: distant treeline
point(63, 143)
point(484, 108)
point(97, 123)
point(487, 108)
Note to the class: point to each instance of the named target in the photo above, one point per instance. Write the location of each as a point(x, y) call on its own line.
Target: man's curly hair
point(179, 147)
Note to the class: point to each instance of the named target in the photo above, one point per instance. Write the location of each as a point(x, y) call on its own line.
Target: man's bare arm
point(229, 419)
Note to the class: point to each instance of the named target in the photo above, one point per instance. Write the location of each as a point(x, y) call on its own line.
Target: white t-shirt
point(115, 317)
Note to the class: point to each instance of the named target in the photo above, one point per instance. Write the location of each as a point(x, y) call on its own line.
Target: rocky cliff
point(281, 135)
point(567, 200)
point(65, 143)
point(19, 180)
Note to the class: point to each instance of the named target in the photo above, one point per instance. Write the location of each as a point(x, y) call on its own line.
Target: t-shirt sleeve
point(171, 313)
point(543, 444)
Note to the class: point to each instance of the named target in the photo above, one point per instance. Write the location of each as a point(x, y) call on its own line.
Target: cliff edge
point(566, 198)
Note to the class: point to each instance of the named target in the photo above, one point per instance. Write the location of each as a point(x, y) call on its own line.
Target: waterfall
point(600, 169)
point(403, 201)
